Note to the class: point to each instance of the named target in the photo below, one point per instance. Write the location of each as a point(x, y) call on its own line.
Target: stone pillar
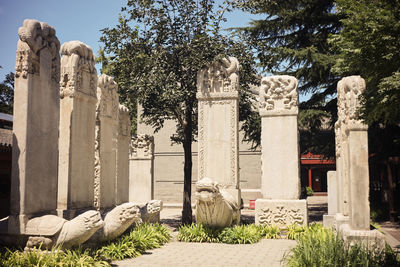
point(77, 123)
point(218, 141)
point(124, 138)
point(357, 230)
point(329, 219)
point(280, 181)
point(105, 144)
point(36, 121)
point(141, 169)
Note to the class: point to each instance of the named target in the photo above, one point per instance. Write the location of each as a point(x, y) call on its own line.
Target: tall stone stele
point(78, 86)
point(329, 219)
point(355, 143)
point(124, 139)
point(280, 180)
point(36, 121)
point(141, 169)
point(218, 141)
point(105, 163)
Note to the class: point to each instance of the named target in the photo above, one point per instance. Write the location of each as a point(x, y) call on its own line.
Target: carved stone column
point(105, 143)
point(329, 219)
point(78, 87)
point(36, 121)
point(218, 108)
point(141, 169)
point(280, 180)
point(124, 138)
point(358, 229)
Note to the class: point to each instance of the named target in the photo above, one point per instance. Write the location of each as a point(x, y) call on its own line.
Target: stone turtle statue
point(49, 230)
point(116, 222)
point(215, 206)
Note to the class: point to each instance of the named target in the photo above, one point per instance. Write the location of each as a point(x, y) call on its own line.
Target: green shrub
point(76, 257)
point(240, 234)
point(318, 246)
point(270, 231)
point(198, 233)
point(130, 245)
point(309, 191)
point(294, 231)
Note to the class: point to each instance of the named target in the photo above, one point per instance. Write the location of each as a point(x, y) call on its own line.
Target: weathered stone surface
point(77, 128)
point(281, 212)
point(116, 222)
point(36, 122)
point(106, 143)
point(150, 212)
point(215, 206)
point(367, 238)
point(218, 96)
point(329, 219)
point(49, 231)
point(124, 138)
point(141, 169)
point(279, 138)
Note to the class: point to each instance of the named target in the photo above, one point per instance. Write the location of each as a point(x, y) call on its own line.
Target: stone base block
point(329, 221)
point(281, 212)
point(369, 238)
point(340, 219)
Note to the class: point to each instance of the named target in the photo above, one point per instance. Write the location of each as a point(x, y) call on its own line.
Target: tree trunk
point(187, 183)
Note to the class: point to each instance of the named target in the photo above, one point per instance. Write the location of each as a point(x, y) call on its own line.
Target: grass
point(130, 245)
point(318, 246)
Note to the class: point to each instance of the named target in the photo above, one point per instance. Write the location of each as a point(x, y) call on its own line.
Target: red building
point(313, 171)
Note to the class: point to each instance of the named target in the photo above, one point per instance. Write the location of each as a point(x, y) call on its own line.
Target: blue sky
point(73, 20)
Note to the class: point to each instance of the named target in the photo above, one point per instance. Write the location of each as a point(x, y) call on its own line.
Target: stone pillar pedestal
point(77, 126)
point(105, 143)
point(36, 122)
point(329, 219)
point(124, 138)
point(141, 169)
point(280, 180)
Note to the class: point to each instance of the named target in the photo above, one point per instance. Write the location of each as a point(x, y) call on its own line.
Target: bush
point(130, 245)
point(309, 191)
point(240, 234)
point(198, 233)
point(318, 246)
point(270, 231)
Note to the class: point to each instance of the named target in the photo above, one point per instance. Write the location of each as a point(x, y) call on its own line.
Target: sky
point(72, 19)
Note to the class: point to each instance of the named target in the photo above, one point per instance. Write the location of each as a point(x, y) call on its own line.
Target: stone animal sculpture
point(215, 206)
point(116, 222)
point(150, 212)
point(49, 230)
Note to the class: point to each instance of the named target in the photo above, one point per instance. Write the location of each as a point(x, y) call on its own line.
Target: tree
point(7, 94)
point(155, 52)
point(369, 46)
point(293, 40)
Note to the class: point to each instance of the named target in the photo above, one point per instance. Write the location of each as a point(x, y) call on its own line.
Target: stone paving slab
point(267, 252)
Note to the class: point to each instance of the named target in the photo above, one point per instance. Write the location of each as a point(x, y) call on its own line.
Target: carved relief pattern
point(349, 90)
point(234, 148)
point(281, 216)
point(107, 96)
point(77, 59)
point(97, 167)
point(201, 140)
point(278, 92)
point(220, 76)
point(142, 145)
point(35, 36)
point(124, 121)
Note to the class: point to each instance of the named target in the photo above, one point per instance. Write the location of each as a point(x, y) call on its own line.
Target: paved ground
point(265, 253)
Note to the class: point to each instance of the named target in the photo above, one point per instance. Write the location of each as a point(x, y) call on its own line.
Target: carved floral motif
point(278, 93)
point(142, 145)
point(281, 215)
point(77, 64)
point(34, 36)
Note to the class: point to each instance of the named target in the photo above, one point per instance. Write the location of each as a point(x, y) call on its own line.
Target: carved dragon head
point(207, 190)
point(128, 211)
point(154, 206)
